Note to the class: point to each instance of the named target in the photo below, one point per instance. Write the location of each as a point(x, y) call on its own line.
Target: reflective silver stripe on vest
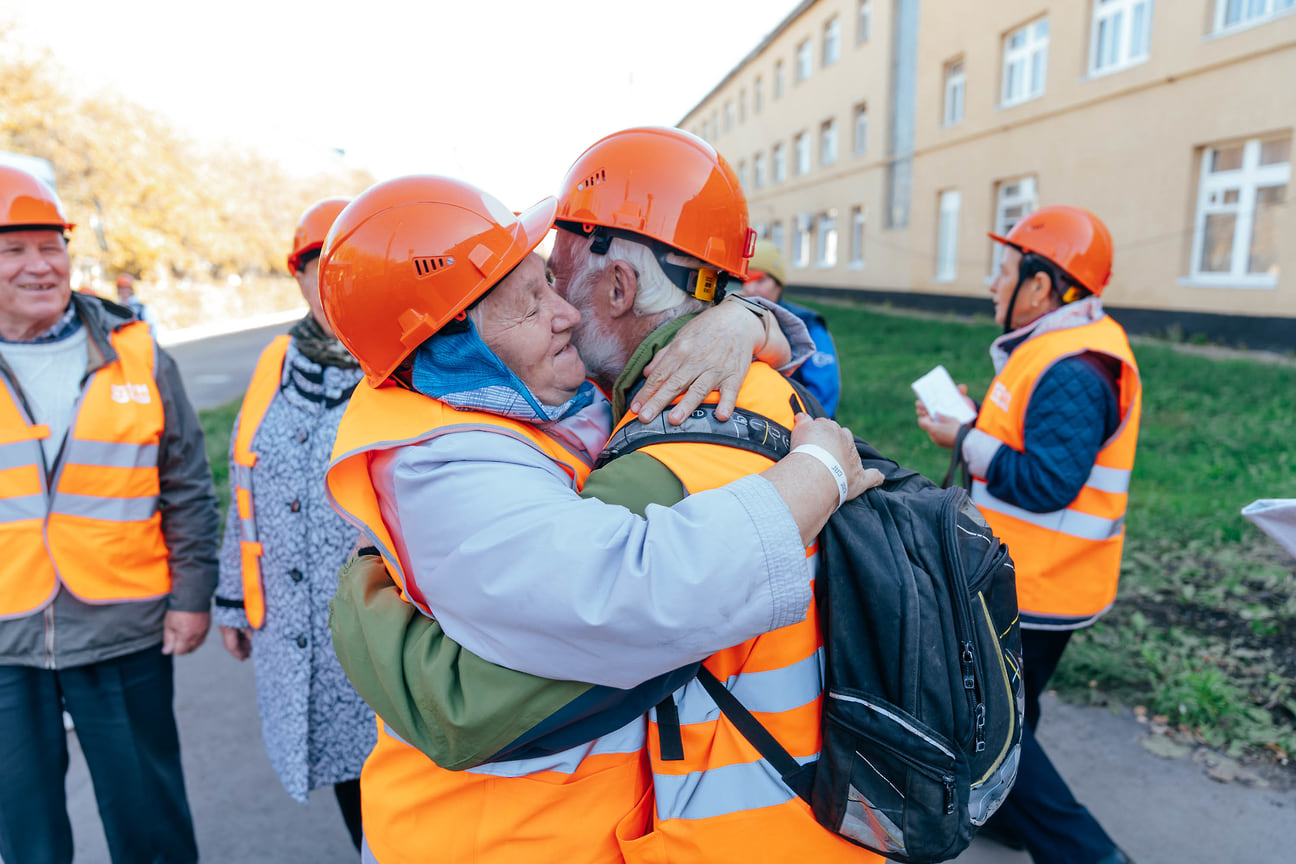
point(16, 454)
point(243, 481)
point(247, 530)
point(769, 692)
point(105, 509)
point(630, 738)
point(720, 791)
point(243, 476)
point(110, 454)
point(1070, 522)
point(22, 507)
point(1105, 479)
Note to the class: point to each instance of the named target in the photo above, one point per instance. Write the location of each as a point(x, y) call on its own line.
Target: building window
point(1122, 31)
point(1025, 62)
point(1239, 203)
point(955, 87)
point(857, 237)
point(780, 163)
point(828, 143)
point(827, 231)
point(758, 96)
point(758, 171)
point(864, 23)
point(802, 144)
point(804, 60)
point(728, 117)
point(742, 106)
point(776, 236)
point(859, 144)
point(1014, 200)
point(801, 241)
point(832, 41)
point(947, 236)
point(761, 229)
point(742, 174)
point(1230, 14)
point(778, 79)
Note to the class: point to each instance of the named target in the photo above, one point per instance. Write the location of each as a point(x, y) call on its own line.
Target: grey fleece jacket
point(68, 632)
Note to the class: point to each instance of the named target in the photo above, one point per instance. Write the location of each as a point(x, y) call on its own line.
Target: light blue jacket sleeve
point(523, 572)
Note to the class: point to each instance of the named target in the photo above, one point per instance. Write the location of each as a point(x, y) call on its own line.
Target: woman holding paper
point(1050, 453)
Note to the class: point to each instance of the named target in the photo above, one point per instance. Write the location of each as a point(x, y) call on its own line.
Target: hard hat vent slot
point(599, 176)
point(428, 264)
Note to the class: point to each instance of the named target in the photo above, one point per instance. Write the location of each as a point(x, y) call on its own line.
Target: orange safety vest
point(567, 807)
point(98, 531)
point(1068, 561)
point(723, 802)
point(260, 393)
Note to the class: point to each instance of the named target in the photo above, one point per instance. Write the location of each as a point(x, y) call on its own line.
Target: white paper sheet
point(940, 397)
point(1277, 518)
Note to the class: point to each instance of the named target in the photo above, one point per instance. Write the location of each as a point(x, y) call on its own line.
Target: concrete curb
point(233, 325)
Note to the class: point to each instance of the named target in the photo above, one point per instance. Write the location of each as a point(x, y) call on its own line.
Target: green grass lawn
point(1203, 633)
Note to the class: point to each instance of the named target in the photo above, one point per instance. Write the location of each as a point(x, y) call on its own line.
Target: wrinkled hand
point(182, 632)
point(711, 352)
point(940, 429)
point(238, 641)
point(838, 441)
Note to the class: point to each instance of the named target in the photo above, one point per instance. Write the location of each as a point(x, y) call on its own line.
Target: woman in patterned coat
point(317, 730)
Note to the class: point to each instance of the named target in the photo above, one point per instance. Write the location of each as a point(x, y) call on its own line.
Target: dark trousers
point(1041, 811)
point(348, 798)
point(122, 709)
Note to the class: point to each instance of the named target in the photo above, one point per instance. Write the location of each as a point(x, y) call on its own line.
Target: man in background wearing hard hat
point(108, 523)
point(820, 374)
point(1050, 454)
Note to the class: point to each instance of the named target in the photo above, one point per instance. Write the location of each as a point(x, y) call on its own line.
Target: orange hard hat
point(125, 280)
point(665, 184)
point(312, 227)
point(26, 202)
point(1072, 238)
point(412, 253)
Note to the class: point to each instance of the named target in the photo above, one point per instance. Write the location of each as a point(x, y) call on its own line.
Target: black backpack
point(923, 700)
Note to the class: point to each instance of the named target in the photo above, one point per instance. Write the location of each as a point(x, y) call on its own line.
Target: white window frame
point(1027, 195)
point(801, 161)
point(1250, 16)
point(758, 171)
point(780, 79)
point(801, 229)
point(1119, 14)
point(779, 160)
point(947, 227)
point(758, 95)
point(804, 60)
point(728, 116)
point(828, 145)
point(1251, 177)
point(955, 93)
point(859, 144)
point(832, 41)
point(826, 240)
point(742, 175)
point(776, 235)
point(864, 22)
point(859, 221)
point(1024, 57)
point(742, 106)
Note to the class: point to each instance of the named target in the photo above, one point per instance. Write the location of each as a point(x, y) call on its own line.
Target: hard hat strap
point(705, 283)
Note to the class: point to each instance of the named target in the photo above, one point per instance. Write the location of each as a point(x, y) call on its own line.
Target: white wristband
point(833, 466)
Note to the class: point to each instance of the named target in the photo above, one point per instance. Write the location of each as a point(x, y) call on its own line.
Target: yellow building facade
point(879, 140)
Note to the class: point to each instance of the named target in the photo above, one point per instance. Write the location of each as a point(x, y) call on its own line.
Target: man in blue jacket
point(819, 374)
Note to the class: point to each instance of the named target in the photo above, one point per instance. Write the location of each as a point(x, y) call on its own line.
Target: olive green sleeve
point(452, 705)
point(634, 481)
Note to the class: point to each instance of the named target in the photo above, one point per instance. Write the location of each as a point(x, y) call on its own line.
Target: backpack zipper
point(963, 618)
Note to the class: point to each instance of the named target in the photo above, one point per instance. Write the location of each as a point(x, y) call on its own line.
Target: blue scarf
point(457, 368)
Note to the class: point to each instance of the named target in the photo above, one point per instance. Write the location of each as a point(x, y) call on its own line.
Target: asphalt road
point(1161, 811)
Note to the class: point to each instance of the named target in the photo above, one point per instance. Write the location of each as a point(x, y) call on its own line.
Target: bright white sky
point(503, 94)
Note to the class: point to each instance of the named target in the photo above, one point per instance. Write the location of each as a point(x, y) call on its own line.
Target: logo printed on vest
point(124, 393)
point(1001, 396)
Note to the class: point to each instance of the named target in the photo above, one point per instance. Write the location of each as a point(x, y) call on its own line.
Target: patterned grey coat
point(317, 730)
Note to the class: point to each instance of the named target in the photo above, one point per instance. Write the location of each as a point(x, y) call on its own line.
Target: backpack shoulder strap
point(798, 777)
point(745, 430)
